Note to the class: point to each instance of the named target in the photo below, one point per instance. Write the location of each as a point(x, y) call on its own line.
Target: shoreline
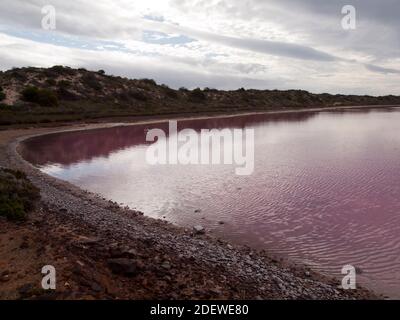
point(160, 253)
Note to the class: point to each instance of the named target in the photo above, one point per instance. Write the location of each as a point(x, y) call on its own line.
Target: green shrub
point(91, 81)
point(18, 196)
point(64, 84)
point(197, 95)
point(51, 82)
point(2, 95)
point(169, 92)
point(43, 97)
point(56, 71)
point(138, 95)
point(64, 94)
point(150, 82)
point(19, 74)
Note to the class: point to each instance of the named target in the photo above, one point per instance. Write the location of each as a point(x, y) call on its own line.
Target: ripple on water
point(325, 189)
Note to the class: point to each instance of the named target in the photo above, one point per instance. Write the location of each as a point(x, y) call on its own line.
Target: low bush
point(169, 92)
point(64, 84)
point(51, 82)
point(43, 97)
point(64, 94)
point(150, 82)
point(138, 95)
point(56, 71)
point(197, 95)
point(91, 81)
point(18, 196)
point(2, 94)
point(18, 74)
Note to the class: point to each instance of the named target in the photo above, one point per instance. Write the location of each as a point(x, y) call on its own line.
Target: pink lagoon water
point(325, 189)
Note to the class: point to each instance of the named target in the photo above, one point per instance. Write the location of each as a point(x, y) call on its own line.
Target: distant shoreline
point(60, 94)
point(140, 120)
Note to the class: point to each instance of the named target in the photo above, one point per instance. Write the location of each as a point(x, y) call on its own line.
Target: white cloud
point(264, 44)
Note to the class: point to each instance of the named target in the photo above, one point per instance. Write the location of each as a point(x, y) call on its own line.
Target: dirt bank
point(103, 251)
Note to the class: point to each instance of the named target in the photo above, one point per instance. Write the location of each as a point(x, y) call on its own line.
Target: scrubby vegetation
point(17, 195)
point(150, 82)
point(66, 94)
point(197, 95)
point(2, 94)
point(90, 80)
point(43, 97)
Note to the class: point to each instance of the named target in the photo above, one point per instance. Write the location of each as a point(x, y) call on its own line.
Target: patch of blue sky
point(212, 55)
point(154, 18)
point(58, 39)
point(155, 37)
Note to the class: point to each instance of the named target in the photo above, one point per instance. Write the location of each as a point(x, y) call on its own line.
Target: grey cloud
point(78, 17)
point(285, 49)
point(378, 26)
point(278, 48)
point(375, 68)
point(376, 41)
point(29, 15)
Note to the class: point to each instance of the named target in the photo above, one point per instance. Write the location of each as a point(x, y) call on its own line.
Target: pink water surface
point(325, 189)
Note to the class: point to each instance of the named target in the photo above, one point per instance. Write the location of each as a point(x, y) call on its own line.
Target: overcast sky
point(225, 44)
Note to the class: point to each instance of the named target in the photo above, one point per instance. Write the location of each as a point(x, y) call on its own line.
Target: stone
point(123, 266)
point(96, 287)
point(199, 229)
point(24, 245)
point(25, 289)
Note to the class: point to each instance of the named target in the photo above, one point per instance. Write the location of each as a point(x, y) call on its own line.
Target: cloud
point(224, 44)
point(278, 48)
point(383, 70)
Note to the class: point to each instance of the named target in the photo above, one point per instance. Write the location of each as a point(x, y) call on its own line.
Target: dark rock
point(96, 287)
point(199, 229)
point(131, 253)
point(123, 266)
point(25, 289)
point(5, 273)
point(24, 245)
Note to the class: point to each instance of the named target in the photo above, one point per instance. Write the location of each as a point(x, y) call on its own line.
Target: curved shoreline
point(133, 121)
point(261, 275)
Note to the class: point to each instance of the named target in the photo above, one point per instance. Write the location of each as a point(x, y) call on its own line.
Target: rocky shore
point(103, 251)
